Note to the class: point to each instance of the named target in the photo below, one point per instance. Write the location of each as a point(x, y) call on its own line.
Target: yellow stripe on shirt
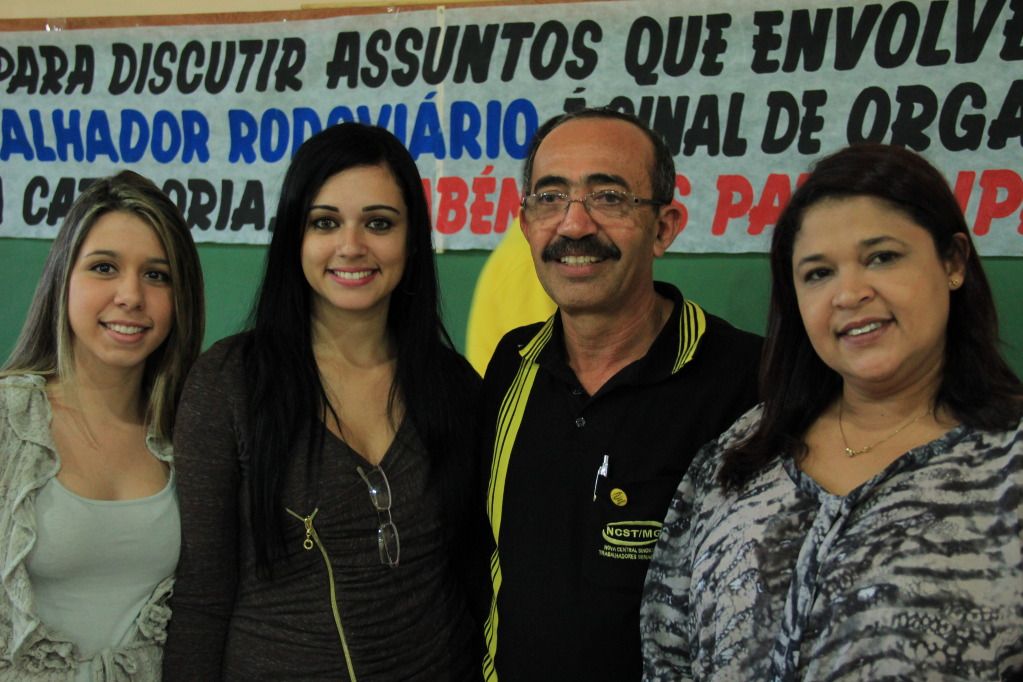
point(509, 419)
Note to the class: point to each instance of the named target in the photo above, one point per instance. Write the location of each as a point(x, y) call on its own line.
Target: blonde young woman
point(88, 513)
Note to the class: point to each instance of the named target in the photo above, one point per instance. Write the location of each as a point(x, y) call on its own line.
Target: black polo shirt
point(574, 537)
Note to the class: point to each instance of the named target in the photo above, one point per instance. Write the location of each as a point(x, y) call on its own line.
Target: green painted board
point(730, 286)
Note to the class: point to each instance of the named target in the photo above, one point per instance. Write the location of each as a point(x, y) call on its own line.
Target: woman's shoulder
point(990, 443)
point(742, 428)
point(219, 371)
point(224, 356)
point(13, 384)
point(24, 407)
point(738, 433)
point(708, 460)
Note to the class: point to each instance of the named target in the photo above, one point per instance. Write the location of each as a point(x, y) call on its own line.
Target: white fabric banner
point(748, 94)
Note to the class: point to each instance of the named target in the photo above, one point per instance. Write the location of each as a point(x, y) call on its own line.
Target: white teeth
point(124, 329)
point(579, 260)
point(865, 329)
point(362, 274)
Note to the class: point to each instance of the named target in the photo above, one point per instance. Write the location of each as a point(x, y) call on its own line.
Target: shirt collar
point(674, 347)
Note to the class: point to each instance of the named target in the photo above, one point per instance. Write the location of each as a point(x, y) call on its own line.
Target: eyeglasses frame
point(385, 525)
point(631, 202)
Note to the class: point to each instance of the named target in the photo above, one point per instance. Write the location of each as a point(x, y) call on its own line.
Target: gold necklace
point(853, 452)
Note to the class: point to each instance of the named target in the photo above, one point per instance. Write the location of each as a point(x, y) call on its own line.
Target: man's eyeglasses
point(605, 203)
point(380, 496)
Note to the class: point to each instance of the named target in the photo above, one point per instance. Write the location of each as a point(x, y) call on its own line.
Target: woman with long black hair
point(325, 455)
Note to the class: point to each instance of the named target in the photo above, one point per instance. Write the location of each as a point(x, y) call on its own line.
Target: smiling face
point(590, 263)
point(873, 294)
point(354, 249)
point(120, 301)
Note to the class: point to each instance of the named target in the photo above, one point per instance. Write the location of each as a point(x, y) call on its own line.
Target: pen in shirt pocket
point(602, 472)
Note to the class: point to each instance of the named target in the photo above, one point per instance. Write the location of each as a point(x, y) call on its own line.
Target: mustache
point(586, 246)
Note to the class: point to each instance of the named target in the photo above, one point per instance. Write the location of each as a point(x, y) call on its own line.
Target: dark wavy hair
point(662, 172)
point(977, 386)
point(285, 393)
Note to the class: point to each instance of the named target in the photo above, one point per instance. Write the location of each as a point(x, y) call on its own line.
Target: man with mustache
point(591, 419)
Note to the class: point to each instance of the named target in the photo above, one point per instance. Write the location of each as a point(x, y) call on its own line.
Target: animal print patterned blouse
point(917, 574)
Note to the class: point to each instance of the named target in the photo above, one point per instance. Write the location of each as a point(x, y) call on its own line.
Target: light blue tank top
point(96, 562)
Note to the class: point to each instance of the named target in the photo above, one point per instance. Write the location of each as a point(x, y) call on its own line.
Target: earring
point(953, 283)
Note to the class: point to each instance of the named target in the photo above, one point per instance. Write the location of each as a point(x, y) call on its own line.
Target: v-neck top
point(915, 574)
point(410, 622)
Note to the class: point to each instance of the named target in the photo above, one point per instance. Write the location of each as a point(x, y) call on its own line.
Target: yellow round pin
point(619, 497)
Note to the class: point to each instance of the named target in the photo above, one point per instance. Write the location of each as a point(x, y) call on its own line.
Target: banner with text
point(747, 95)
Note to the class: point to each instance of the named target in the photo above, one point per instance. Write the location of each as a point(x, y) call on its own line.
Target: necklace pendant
point(849, 452)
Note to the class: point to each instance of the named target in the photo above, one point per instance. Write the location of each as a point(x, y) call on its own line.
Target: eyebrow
point(365, 209)
point(865, 244)
point(813, 258)
point(114, 254)
point(592, 179)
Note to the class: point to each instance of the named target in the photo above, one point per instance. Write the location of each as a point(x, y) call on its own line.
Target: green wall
point(732, 286)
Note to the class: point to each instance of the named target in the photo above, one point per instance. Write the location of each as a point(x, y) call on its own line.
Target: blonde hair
point(44, 346)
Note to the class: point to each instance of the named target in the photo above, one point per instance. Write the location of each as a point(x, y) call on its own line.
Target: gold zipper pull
point(308, 542)
point(307, 521)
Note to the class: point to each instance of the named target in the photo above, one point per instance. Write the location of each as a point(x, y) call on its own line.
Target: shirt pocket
point(626, 523)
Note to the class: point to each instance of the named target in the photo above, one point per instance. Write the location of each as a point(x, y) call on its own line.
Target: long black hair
point(285, 393)
point(977, 385)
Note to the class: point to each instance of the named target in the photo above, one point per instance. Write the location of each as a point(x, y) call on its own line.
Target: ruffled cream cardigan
point(29, 651)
